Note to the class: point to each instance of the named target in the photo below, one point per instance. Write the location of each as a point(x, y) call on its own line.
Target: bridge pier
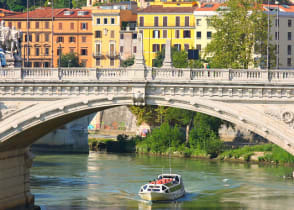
point(15, 180)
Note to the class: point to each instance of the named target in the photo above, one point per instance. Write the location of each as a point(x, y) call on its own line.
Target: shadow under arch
point(27, 127)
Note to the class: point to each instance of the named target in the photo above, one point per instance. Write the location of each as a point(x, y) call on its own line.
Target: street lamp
point(69, 61)
point(278, 33)
point(52, 18)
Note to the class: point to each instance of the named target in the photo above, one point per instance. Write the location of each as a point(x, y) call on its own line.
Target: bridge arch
point(26, 126)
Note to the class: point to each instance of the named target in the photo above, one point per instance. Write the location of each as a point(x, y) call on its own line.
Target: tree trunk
point(188, 126)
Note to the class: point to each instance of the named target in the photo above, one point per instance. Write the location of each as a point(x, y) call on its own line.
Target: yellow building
point(171, 20)
point(106, 36)
point(203, 30)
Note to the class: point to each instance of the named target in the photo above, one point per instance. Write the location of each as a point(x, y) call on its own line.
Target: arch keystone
point(85, 102)
point(109, 98)
point(15, 126)
point(61, 108)
point(37, 116)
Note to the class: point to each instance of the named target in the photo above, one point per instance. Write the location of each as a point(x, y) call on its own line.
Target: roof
point(209, 7)
point(161, 9)
point(283, 8)
point(74, 13)
point(43, 12)
point(7, 11)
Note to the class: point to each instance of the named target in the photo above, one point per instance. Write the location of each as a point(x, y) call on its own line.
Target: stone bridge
point(34, 102)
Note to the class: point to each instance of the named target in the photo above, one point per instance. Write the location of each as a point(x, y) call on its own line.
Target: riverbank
point(265, 153)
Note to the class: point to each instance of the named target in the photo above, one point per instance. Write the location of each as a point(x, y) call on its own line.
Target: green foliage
point(146, 114)
point(128, 62)
point(238, 30)
point(176, 116)
point(69, 60)
point(162, 137)
point(179, 59)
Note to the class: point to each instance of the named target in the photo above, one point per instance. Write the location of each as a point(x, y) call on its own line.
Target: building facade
point(73, 34)
point(172, 20)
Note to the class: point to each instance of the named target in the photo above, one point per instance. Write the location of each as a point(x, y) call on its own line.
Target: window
point(46, 37)
point(164, 34)
point(134, 36)
point(198, 47)
point(37, 37)
point(19, 25)
point(289, 62)
point(112, 34)
point(111, 50)
point(111, 61)
point(187, 21)
point(289, 36)
point(72, 39)
point(60, 26)
point(162, 47)
point(177, 21)
point(84, 52)
point(84, 26)
point(141, 21)
point(208, 34)
point(46, 64)
point(84, 39)
point(37, 64)
point(289, 23)
point(29, 24)
point(112, 20)
point(164, 21)
point(156, 34)
point(98, 51)
point(72, 50)
point(186, 46)
point(198, 34)
point(30, 38)
point(177, 35)
point(97, 61)
point(155, 47)
point(134, 49)
point(187, 34)
point(121, 36)
point(198, 22)
point(178, 46)
point(98, 21)
point(208, 22)
point(289, 50)
point(277, 22)
point(37, 51)
point(98, 34)
point(121, 49)
point(46, 25)
point(46, 51)
point(72, 26)
point(59, 39)
point(37, 25)
point(155, 21)
point(105, 20)
point(277, 35)
point(59, 51)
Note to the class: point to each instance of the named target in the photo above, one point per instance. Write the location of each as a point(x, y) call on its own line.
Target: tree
point(238, 30)
point(128, 62)
point(69, 60)
point(179, 59)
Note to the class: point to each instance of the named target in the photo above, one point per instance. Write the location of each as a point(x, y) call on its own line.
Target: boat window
point(156, 190)
point(177, 179)
point(145, 186)
point(149, 189)
point(163, 188)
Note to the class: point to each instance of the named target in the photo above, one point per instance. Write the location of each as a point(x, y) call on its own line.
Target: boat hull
point(159, 196)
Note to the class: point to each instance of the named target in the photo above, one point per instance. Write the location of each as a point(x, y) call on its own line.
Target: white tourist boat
point(165, 188)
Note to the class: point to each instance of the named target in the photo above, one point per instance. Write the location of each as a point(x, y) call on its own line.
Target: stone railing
point(170, 74)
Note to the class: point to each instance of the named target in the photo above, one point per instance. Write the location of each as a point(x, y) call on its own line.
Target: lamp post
point(52, 31)
point(268, 34)
point(69, 61)
point(28, 36)
point(278, 34)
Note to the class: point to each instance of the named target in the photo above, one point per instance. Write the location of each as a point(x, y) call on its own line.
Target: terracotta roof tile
point(44, 12)
point(283, 8)
point(209, 7)
point(161, 9)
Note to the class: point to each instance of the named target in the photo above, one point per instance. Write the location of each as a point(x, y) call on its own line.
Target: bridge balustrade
point(85, 74)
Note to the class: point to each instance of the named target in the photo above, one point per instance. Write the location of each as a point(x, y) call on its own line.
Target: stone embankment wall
point(15, 180)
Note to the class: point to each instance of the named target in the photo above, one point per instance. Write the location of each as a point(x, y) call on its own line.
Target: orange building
point(73, 34)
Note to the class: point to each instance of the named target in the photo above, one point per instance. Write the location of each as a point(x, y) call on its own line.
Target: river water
point(112, 181)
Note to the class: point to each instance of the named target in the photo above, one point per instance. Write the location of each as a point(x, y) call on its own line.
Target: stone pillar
point(15, 179)
point(138, 68)
point(167, 63)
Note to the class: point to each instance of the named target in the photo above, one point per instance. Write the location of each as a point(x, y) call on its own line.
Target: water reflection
point(112, 181)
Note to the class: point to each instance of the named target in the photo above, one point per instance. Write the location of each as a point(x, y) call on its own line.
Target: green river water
point(112, 181)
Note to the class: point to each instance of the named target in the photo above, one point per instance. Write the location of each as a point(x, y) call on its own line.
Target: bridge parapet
point(92, 74)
